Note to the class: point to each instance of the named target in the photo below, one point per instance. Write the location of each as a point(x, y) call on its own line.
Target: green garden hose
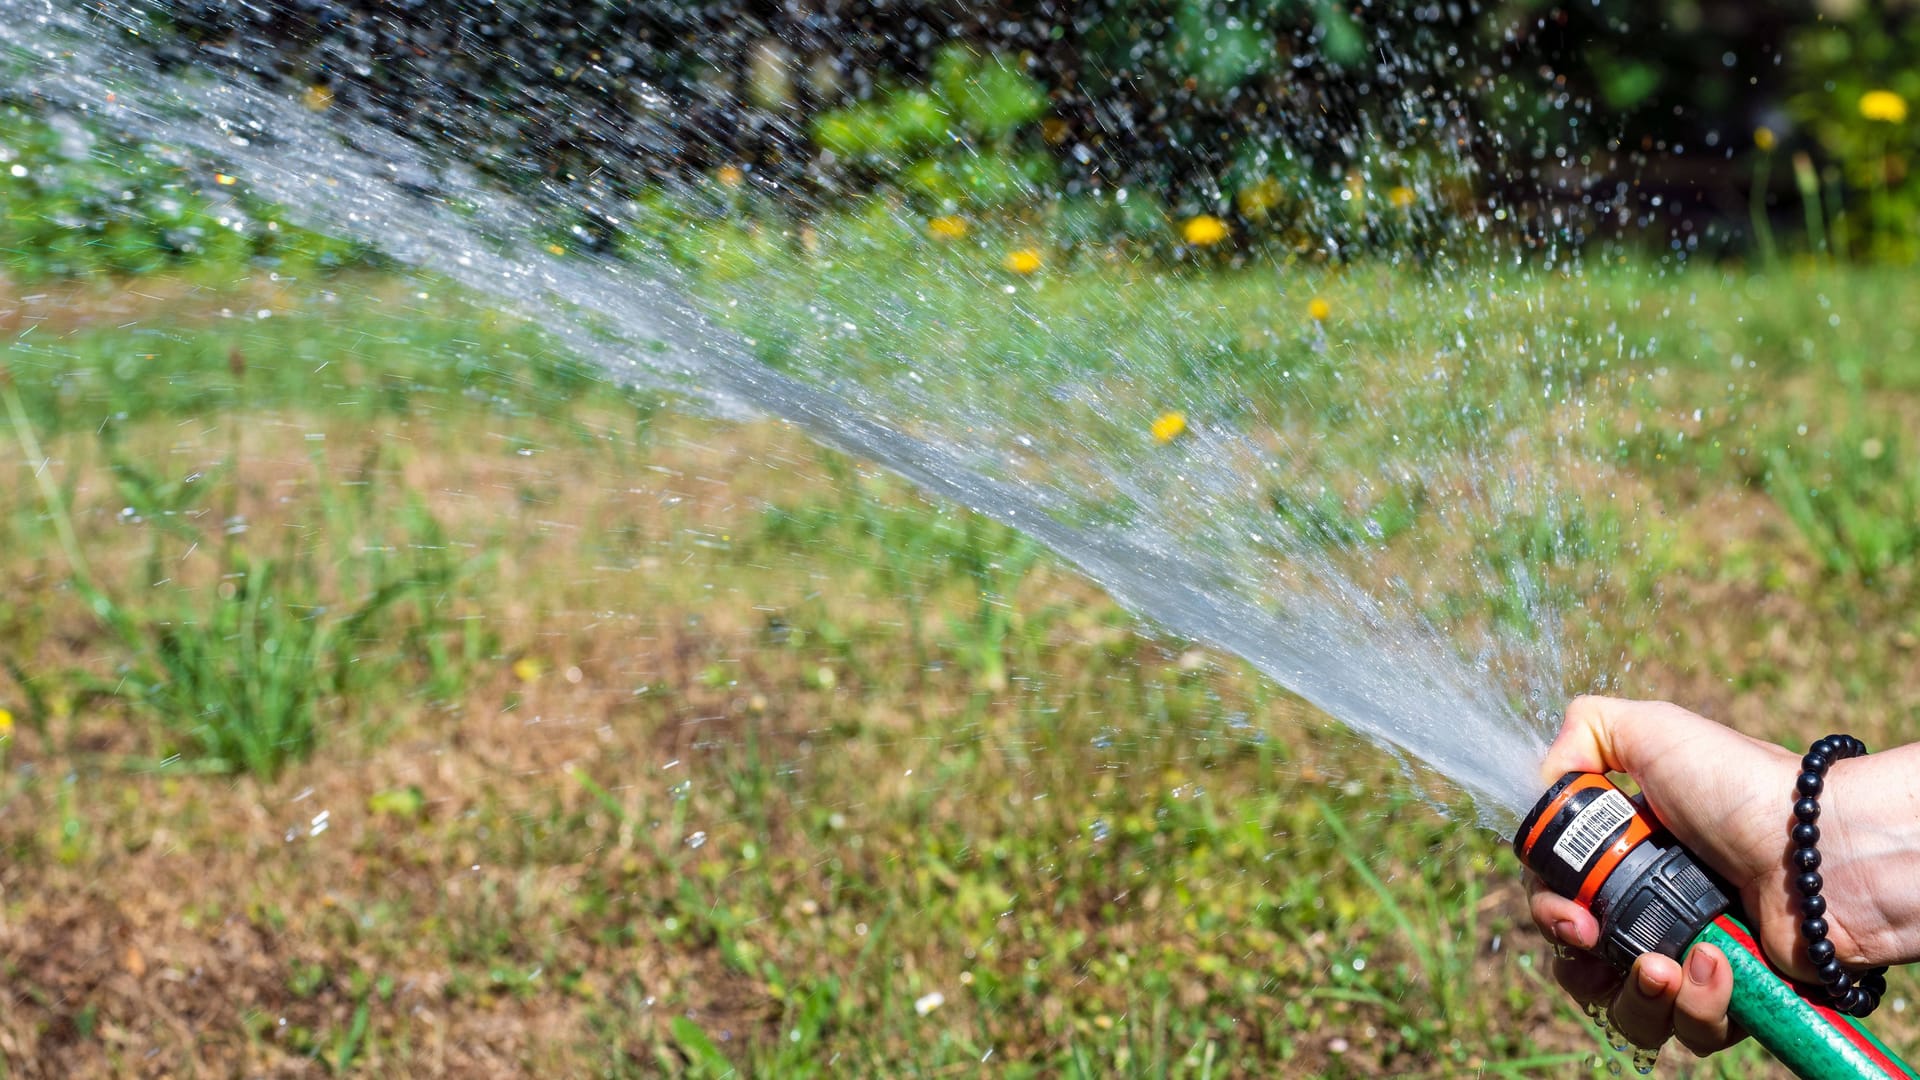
point(1593, 845)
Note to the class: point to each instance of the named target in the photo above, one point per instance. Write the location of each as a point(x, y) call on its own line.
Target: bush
point(76, 204)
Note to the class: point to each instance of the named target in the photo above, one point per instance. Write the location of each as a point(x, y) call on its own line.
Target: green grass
point(831, 749)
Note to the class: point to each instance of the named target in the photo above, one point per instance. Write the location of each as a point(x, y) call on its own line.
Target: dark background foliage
point(1694, 124)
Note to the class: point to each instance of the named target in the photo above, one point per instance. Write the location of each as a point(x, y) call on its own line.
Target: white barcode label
point(1592, 828)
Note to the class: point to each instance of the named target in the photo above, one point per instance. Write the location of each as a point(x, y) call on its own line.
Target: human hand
point(1723, 795)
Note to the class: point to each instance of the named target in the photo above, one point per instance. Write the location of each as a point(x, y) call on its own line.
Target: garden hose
point(1593, 845)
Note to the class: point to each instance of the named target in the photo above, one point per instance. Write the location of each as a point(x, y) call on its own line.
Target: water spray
point(1592, 844)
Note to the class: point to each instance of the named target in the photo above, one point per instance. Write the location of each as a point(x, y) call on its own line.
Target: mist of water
point(1183, 534)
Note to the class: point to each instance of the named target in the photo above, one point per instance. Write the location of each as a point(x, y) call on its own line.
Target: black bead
point(1854, 996)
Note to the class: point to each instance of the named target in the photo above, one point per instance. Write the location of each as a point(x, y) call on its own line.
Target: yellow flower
point(1023, 261)
point(947, 227)
point(317, 98)
point(730, 175)
point(1401, 196)
point(1319, 309)
point(556, 249)
point(1883, 106)
point(527, 669)
point(6, 723)
point(1204, 230)
point(1763, 138)
point(1259, 198)
point(1168, 427)
point(225, 180)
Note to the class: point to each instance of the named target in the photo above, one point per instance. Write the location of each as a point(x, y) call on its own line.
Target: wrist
point(1871, 862)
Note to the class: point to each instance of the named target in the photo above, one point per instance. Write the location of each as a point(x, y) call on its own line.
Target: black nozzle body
point(1592, 844)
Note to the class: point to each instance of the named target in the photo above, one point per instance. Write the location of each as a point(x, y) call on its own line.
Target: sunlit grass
point(721, 752)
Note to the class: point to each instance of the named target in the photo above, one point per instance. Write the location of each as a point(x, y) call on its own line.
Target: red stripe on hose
point(1734, 930)
point(1838, 1021)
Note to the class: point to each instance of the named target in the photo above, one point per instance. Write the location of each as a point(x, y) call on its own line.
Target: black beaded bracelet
point(1853, 995)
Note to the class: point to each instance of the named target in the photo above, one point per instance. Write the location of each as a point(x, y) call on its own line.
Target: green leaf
point(700, 1049)
point(992, 96)
point(1627, 84)
point(1218, 51)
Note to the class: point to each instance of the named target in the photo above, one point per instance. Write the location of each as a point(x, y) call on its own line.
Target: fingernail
point(1700, 967)
point(1649, 984)
point(1563, 932)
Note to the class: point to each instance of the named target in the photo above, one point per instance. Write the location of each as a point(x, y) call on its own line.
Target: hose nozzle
point(1592, 844)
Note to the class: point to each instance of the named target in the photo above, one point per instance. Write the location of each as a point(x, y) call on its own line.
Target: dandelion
point(1319, 310)
point(947, 227)
point(6, 723)
point(1763, 139)
point(1022, 261)
point(528, 670)
point(1168, 427)
point(1258, 199)
point(1401, 196)
point(1873, 449)
point(730, 175)
point(317, 98)
point(1204, 230)
point(1883, 106)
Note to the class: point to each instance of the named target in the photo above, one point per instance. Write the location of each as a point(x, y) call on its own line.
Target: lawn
point(387, 694)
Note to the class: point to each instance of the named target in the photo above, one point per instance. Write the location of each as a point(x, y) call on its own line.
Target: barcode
point(1592, 828)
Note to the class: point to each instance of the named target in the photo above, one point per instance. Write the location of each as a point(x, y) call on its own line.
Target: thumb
point(1604, 734)
point(1591, 738)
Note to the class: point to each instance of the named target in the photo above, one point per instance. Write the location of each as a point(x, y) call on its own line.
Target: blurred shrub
point(957, 145)
point(73, 204)
point(1852, 83)
point(1307, 126)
